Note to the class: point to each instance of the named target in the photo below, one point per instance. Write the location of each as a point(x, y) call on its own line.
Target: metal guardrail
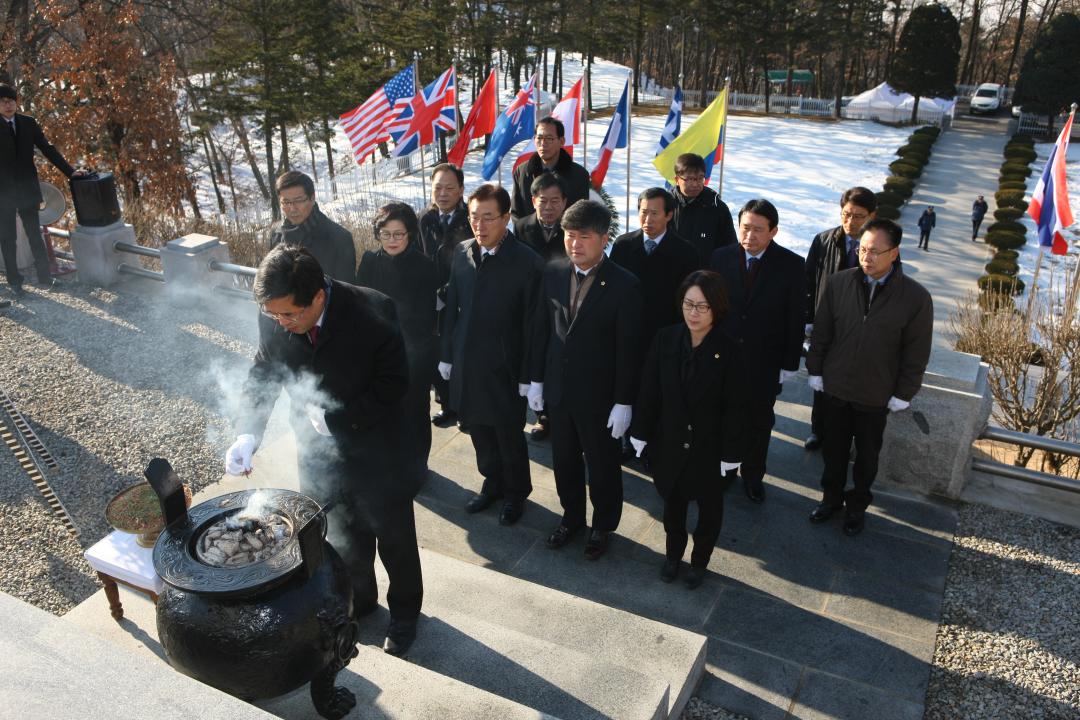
point(126, 269)
point(137, 249)
point(234, 269)
point(1039, 442)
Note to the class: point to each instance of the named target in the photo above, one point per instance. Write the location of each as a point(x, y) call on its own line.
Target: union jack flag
point(365, 125)
point(431, 113)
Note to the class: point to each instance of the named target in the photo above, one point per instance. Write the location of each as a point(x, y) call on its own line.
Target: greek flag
point(672, 126)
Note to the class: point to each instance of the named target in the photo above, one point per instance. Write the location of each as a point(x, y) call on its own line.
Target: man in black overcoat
point(337, 350)
point(305, 224)
point(542, 230)
point(550, 158)
point(767, 291)
point(20, 190)
point(492, 310)
point(585, 372)
point(701, 217)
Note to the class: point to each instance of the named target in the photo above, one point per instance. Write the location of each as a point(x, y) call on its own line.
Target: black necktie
point(446, 220)
point(853, 255)
point(11, 126)
point(751, 263)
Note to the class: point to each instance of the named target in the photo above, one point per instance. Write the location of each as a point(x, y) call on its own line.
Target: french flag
point(615, 137)
point(569, 112)
point(1049, 204)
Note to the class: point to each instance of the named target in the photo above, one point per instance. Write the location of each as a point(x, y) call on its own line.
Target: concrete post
point(186, 263)
point(95, 255)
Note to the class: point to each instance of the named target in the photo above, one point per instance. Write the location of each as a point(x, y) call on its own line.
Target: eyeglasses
point(289, 318)
point(870, 251)
point(691, 308)
point(544, 202)
point(293, 202)
point(484, 219)
point(852, 216)
point(692, 178)
point(546, 138)
point(395, 235)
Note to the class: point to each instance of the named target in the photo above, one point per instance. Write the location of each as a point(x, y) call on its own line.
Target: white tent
point(884, 103)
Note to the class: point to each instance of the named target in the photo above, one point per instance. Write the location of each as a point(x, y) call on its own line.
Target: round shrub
point(901, 191)
point(889, 198)
point(1012, 176)
point(1012, 185)
point(1001, 284)
point(905, 169)
point(915, 158)
point(1006, 255)
point(931, 130)
point(1009, 198)
point(1009, 225)
point(888, 212)
point(902, 186)
point(1020, 154)
point(1012, 167)
point(921, 142)
point(1008, 213)
point(1025, 140)
point(1004, 240)
point(1002, 267)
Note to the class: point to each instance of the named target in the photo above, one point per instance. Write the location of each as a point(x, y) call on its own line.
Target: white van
point(988, 98)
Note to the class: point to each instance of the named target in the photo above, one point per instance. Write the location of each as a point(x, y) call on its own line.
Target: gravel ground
point(110, 380)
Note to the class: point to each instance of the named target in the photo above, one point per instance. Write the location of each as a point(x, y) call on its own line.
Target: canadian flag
point(569, 112)
point(615, 137)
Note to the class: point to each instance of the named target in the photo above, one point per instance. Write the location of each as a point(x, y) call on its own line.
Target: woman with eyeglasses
point(401, 270)
point(690, 414)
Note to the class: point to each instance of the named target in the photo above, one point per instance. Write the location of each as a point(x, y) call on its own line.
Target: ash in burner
point(241, 539)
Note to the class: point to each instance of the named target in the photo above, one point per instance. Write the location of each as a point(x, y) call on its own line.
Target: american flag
point(366, 125)
point(429, 114)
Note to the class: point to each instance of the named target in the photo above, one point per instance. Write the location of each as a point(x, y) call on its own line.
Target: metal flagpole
point(497, 76)
point(720, 182)
point(629, 107)
point(585, 118)
point(416, 90)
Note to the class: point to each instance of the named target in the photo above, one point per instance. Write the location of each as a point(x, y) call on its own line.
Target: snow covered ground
point(802, 166)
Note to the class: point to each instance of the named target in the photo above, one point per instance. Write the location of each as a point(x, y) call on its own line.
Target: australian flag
point(432, 112)
point(516, 124)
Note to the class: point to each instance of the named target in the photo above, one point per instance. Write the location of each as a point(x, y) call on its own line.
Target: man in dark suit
point(767, 291)
point(550, 158)
point(443, 226)
point(305, 224)
point(20, 190)
point(337, 350)
point(701, 217)
point(492, 316)
point(542, 230)
point(585, 372)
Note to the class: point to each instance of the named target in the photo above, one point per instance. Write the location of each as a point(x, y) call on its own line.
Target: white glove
point(808, 329)
point(523, 389)
point(317, 417)
point(639, 445)
point(439, 304)
point(896, 404)
point(536, 396)
point(444, 370)
point(816, 383)
point(238, 456)
point(785, 375)
point(619, 420)
point(726, 467)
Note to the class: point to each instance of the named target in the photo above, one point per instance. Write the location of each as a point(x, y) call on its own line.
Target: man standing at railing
point(307, 226)
point(20, 191)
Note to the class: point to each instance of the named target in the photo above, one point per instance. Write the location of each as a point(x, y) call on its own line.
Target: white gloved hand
point(619, 420)
point(639, 445)
point(808, 329)
point(444, 370)
point(523, 389)
point(439, 304)
point(317, 417)
point(896, 404)
point(238, 456)
point(726, 467)
point(536, 396)
point(816, 383)
point(786, 375)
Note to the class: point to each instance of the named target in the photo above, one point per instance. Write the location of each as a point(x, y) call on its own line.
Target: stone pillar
point(186, 263)
point(927, 448)
point(96, 258)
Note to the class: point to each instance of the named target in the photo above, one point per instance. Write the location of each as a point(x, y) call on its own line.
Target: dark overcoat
point(19, 185)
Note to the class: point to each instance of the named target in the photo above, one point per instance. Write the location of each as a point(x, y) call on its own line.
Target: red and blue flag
point(516, 124)
point(431, 112)
point(1049, 204)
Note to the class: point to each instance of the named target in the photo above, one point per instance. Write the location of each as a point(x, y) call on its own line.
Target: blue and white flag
point(673, 124)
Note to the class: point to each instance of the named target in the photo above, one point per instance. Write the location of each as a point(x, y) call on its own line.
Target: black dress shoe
point(399, 637)
point(511, 513)
point(854, 522)
point(813, 442)
point(540, 432)
point(18, 291)
point(45, 285)
point(694, 576)
point(669, 571)
point(561, 536)
point(823, 512)
point(597, 544)
point(480, 501)
point(444, 418)
point(755, 489)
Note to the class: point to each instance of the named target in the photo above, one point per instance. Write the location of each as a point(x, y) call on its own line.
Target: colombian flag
point(705, 138)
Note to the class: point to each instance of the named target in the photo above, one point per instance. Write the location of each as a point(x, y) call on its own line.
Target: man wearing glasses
point(549, 158)
point(701, 217)
point(306, 225)
point(830, 252)
point(869, 349)
point(493, 313)
point(337, 350)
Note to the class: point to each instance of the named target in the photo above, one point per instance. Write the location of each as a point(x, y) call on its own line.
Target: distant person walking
point(978, 212)
point(927, 221)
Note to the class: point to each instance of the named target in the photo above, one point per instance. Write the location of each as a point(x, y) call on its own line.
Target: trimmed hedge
point(1020, 154)
point(1002, 267)
point(889, 198)
point(1009, 225)
point(1001, 284)
point(1012, 185)
point(1009, 198)
point(1005, 240)
point(905, 169)
point(1019, 139)
point(900, 185)
point(1008, 213)
point(1011, 167)
point(888, 212)
point(1012, 176)
point(1006, 255)
point(914, 153)
point(932, 130)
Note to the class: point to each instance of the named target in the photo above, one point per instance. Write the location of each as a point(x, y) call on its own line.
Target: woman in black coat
point(401, 270)
point(690, 412)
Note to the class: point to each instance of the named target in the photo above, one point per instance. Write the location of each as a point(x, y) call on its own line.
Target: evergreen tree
point(927, 55)
point(1049, 80)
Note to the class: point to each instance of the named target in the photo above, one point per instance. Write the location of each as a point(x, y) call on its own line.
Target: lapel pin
point(602, 283)
point(717, 356)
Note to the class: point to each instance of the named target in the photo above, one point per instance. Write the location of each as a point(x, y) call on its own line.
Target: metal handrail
point(232, 268)
point(1039, 442)
point(136, 249)
point(140, 271)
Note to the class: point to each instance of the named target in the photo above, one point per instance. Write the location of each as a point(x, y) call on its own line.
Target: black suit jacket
point(590, 364)
point(438, 243)
point(691, 430)
point(529, 231)
point(358, 372)
point(660, 274)
point(766, 320)
point(18, 175)
point(489, 328)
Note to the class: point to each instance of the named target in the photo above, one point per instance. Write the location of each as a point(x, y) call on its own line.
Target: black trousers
point(817, 415)
point(760, 422)
point(581, 440)
point(866, 426)
point(710, 519)
point(975, 224)
point(502, 457)
point(924, 239)
point(8, 236)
